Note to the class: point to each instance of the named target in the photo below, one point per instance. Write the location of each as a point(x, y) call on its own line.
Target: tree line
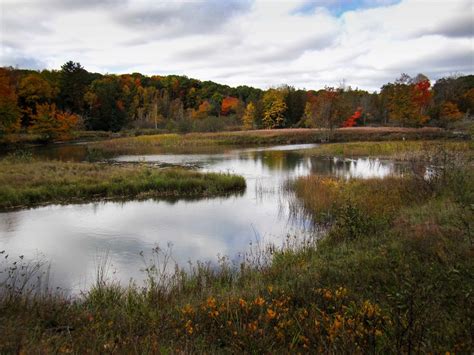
point(54, 102)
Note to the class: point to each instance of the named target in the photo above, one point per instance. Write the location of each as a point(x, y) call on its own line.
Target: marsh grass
point(392, 275)
point(400, 150)
point(29, 183)
point(152, 143)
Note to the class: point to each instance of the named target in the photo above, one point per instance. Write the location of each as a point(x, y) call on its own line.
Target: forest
point(53, 103)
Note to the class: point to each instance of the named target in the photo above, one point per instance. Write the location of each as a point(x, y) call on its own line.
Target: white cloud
point(261, 43)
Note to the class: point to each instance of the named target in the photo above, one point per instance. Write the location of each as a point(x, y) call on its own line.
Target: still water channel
point(73, 238)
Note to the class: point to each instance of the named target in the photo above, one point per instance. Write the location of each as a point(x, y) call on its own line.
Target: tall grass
point(28, 183)
point(400, 150)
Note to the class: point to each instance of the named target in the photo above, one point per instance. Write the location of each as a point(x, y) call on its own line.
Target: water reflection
point(72, 236)
point(360, 168)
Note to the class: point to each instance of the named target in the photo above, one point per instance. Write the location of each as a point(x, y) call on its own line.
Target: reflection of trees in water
point(347, 168)
point(65, 152)
point(168, 200)
point(324, 166)
point(276, 160)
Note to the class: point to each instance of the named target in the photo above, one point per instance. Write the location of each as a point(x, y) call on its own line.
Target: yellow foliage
point(249, 117)
point(52, 123)
point(274, 109)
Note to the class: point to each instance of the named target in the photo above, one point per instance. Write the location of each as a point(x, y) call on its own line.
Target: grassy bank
point(31, 182)
point(279, 136)
point(27, 139)
point(152, 143)
point(399, 150)
point(405, 245)
point(393, 275)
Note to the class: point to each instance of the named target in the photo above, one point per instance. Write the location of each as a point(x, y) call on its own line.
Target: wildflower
point(253, 326)
point(211, 302)
point(259, 301)
point(213, 313)
point(189, 327)
point(370, 310)
point(328, 294)
point(341, 292)
point(303, 314)
point(242, 303)
point(378, 333)
point(187, 309)
point(271, 313)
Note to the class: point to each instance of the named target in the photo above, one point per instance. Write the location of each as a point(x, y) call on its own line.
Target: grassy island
point(29, 183)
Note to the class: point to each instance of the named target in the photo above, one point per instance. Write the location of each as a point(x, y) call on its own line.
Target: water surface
point(74, 237)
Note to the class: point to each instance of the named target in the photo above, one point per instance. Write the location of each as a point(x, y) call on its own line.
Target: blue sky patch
point(338, 7)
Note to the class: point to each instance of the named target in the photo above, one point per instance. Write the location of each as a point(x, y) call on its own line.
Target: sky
point(263, 43)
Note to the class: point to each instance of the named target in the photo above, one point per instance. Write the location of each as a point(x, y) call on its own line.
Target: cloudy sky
point(305, 43)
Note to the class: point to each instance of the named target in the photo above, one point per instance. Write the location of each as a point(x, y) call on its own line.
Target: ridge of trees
point(53, 102)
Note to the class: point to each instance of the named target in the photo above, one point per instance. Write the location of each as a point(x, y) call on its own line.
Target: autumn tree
point(51, 123)
point(9, 110)
point(406, 101)
point(176, 110)
point(352, 121)
point(229, 105)
point(32, 91)
point(452, 89)
point(450, 113)
point(327, 109)
point(203, 111)
point(422, 96)
point(148, 107)
point(274, 109)
point(249, 117)
point(458, 90)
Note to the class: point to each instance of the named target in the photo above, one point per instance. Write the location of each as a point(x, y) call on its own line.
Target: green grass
point(400, 150)
point(31, 182)
point(393, 274)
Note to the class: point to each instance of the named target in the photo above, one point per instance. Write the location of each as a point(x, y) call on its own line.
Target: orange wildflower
point(259, 301)
point(211, 302)
point(271, 313)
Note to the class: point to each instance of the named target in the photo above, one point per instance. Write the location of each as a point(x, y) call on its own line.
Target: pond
point(74, 238)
